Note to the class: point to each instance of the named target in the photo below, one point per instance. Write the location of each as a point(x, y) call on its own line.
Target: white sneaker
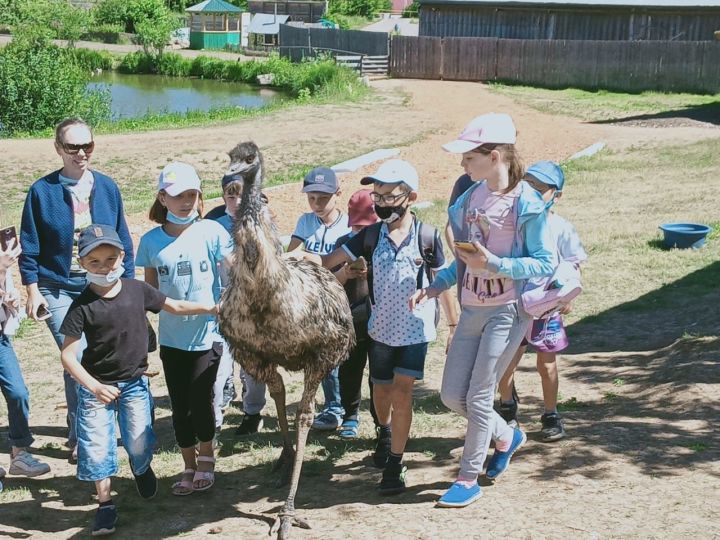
point(2, 472)
point(25, 464)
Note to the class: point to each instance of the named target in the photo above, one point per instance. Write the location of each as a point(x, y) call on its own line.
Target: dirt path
point(628, 470)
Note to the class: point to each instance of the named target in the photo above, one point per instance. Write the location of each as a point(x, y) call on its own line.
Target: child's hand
point(106, 393)
point(477, 260)
point(214, 310)
point(566, 309)
point(420, 296)
point(451, 335)
point(10, 256)
point(354, 273)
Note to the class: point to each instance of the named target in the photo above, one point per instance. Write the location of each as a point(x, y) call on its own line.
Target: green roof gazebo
point(214, 24)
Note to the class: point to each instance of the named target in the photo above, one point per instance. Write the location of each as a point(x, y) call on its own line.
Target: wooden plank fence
point(630, 66)
point(297, 43)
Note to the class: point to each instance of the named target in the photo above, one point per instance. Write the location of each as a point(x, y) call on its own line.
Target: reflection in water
point(135, 95)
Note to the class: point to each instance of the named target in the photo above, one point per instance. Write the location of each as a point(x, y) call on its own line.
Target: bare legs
point(393, 404)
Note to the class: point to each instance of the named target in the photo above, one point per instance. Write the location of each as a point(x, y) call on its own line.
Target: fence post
point(442, 58)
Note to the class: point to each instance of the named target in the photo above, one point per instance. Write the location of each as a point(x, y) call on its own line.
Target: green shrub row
point(91, 60)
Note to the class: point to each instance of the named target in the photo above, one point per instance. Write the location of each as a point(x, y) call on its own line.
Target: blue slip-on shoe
point(500, 460)
point(326, 421)
point(349, 429)
point(459, 496)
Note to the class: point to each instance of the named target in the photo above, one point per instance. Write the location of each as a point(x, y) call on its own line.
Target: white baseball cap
point(394, 171)
point(493, 128)
point(177, 177)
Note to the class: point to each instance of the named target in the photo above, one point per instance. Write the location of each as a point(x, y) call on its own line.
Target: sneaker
point(105, 519)
point(229, 394)
point(349, 429)
point(326, 421)
point(393, 480)
point(509, 413)
point(382, 449)
point(500, 460)
point(25, 464)
point(251, 423)
point(146, 484)
point(552, 427)
point(459, 495)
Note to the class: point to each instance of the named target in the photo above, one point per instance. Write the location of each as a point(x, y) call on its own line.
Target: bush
point(90, 60)
point(366, 8)
point(42, 84)
point(173, 65)
point(57, 18)
point(137, 62)
point(128, 13)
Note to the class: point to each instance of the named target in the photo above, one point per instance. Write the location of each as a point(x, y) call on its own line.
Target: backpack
point(427, 245)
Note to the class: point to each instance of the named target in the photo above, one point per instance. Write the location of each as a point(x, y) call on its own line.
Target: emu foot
point(284, 522)
point(284, 465)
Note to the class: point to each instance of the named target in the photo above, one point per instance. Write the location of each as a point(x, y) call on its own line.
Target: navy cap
point(229, 178)
point(548, 173)
point(320, 179)
point(96, 235)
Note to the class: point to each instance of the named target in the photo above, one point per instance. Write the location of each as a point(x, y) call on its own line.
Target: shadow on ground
point(708, 113)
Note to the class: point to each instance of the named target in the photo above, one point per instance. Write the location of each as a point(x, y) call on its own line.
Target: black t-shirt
point(115, 329)
point(462, 184)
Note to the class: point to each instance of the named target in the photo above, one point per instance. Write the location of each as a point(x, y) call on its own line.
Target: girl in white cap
point(181, 258)
point(501, 240)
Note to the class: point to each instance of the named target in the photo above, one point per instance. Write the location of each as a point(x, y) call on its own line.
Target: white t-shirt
point(318, 237)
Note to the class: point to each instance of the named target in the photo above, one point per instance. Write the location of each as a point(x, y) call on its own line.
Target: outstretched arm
point(184, 307)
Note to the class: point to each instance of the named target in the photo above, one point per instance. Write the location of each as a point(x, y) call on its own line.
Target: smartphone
point(6, 238)
point(465, 246)
point(43, 313)
point(358, 264)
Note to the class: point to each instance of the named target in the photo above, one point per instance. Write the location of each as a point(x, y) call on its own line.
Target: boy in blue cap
point(548, 337)
point(110, 312)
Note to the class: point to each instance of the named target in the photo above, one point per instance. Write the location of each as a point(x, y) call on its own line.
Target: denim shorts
point(97, 440)
point(386, 361)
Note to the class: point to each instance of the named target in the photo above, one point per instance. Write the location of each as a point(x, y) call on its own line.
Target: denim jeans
point(331, 389)
point(16, 395)
point(59, 301)
point(97, 440)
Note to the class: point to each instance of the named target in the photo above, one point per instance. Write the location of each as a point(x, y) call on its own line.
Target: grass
point(602, 104)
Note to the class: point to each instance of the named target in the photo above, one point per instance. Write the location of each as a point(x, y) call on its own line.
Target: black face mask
point(390, 214)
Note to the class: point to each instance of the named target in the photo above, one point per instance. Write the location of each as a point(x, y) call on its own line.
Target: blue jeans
point(16, 395)
point(59, 301)
point(331, 390)
point(97, 440)
point(386, 361)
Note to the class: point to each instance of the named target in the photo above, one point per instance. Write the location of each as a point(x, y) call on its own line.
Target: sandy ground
point(626, 471)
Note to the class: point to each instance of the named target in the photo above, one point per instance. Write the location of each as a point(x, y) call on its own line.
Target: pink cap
point(491, 128)
point(361, 210)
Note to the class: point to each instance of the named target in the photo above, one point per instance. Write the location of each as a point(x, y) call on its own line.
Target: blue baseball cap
point(547, 172)
point(96, 235)
point(320, 179)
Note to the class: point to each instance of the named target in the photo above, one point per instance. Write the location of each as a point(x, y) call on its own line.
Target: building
point(214, 24)
point(264, 29)
point(307, 11)
point(606, 20)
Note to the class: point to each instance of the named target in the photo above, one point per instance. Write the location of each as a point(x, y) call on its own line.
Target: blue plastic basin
point(684, 235)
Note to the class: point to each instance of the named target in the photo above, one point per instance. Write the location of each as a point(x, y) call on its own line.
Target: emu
point(280, 313)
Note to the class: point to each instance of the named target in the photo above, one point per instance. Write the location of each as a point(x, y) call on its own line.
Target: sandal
point(208, 476)
point(185, 485)
point(349, 429)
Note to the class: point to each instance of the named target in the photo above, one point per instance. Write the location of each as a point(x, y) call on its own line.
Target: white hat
point(493, 128)
point(177, 177)
point(395, 171)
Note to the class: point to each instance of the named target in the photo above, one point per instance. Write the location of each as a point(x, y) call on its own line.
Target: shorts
point(547, 335)
point(386, 361)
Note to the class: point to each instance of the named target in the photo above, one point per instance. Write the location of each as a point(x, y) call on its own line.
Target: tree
point(154, 34)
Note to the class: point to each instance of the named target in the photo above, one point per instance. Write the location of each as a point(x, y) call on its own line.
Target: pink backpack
point(544, 297)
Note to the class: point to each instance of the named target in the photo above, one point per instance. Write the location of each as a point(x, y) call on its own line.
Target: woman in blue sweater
point(57, 207)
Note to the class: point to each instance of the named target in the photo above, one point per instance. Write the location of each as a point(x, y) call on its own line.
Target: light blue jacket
point(533, 254)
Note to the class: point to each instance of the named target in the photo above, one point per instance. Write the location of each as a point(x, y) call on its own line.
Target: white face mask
point(105, 280)
point(172, 218)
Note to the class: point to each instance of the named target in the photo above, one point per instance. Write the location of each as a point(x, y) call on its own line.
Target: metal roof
point(587, 3)
point(266, 23)
point(214, 6)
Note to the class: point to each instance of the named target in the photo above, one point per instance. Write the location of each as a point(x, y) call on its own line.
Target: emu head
point(246, 163)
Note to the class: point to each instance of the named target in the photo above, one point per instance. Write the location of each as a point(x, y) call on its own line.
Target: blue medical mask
point(177, 220)
point(105, 280)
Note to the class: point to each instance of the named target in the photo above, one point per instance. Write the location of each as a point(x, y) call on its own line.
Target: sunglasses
point(73, 149)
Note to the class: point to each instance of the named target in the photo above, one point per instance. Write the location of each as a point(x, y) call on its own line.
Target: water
point(135, 95)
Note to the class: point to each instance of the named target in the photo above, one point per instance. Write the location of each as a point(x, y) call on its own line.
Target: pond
point(135, 95)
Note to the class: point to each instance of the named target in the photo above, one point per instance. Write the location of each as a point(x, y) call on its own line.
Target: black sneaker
point(393, 479)
point(251, 423)
point(146, 484)
point(105, 519)
point(509, 413)
point(552, 427)
point(382, 449)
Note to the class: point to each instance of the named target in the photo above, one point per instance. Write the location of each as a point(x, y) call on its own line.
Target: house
point(309, 11)
point(264, 30)
point(606, 20)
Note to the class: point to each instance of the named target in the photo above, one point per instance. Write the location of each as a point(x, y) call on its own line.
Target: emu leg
point(287, 456)
point(304, 419)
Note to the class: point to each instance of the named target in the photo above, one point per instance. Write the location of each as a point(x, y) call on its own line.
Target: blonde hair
point(158, 212)
point(69, 122)
point(510, 155)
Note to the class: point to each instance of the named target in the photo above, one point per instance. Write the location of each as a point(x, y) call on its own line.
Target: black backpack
point(427, 244)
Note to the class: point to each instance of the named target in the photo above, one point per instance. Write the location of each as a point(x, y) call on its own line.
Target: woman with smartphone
point(57, 207)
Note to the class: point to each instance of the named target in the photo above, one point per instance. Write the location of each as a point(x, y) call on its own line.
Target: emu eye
point(250, 159)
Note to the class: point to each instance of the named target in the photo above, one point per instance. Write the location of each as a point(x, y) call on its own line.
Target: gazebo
point(214, 24)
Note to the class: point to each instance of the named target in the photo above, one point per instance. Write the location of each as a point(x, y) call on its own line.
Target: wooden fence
point(629, 66)
point(297, 43)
